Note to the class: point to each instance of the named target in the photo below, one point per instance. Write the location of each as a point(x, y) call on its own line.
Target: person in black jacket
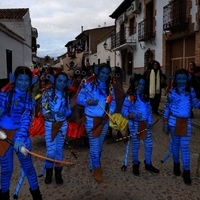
point(195, 81)
point(156, 80)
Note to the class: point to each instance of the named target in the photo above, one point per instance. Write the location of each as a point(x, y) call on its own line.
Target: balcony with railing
point(146, 29)
point(123, 39)
point(175, 15)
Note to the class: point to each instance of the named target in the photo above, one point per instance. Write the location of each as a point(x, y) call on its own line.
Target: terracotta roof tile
point(17, 13)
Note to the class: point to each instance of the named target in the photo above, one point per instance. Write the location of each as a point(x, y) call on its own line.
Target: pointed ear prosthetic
point(69, 82)
point(11, 77)
point(34, 80)
point(96, 71)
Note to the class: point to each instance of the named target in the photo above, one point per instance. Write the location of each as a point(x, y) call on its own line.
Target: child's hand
point(59, 117)
point(130, 115)
point(138, 116)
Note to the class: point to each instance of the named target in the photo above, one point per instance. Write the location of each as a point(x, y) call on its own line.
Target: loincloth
point(55, 128)
point(142, 130)
point(97, 126)
point(181, 126)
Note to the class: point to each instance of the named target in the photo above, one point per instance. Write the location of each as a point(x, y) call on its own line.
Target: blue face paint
point(141, 85)
point(22, 82)
point(104, 74)
point(181, 80)
point(61, 82)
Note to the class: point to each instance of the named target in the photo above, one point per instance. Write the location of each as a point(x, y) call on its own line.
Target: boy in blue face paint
point(137, 109)
point(177, 121)
point(56, 110)
point(17, 108)
point(93, 96)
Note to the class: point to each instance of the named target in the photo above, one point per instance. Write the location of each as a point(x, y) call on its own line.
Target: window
point(148, 56)
point(132, 27)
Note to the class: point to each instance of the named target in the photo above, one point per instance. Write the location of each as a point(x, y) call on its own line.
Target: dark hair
point(102, 66)
point(58, 74)
point(23, 70)
point(20, 70)
point(95, 82)
point(194, 65)
point(196, 70)
point(182, 71)
point(151, 63)
point(65, 90)
point(133, 86)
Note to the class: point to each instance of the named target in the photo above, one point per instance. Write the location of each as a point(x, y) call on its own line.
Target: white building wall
point(18, 55)
point(105, 55)
point(23, 28)
point(139, 52)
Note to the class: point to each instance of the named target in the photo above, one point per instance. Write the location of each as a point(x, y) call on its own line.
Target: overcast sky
point(60, 21)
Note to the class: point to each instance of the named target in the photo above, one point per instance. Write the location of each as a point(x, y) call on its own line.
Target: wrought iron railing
point(175, 15)
point(146, 29)
point(122, 37)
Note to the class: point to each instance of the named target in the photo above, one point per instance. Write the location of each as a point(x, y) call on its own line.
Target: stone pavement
point(80, 185)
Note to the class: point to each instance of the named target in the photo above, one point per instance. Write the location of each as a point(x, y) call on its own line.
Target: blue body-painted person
point(56, 109)
point(95, 97)
point(16, 111)
point(137, 109)
point(177, 120)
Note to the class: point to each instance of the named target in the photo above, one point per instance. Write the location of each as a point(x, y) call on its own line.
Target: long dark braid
point(66, 95)
point(133, 87)
point(19, 70)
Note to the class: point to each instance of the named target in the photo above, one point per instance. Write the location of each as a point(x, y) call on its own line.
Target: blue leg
point(19, 184)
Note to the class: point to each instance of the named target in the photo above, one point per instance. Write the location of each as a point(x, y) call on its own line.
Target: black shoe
point(177, 171)
point(135, 170)
point(186, 177)
point(36, 194)
point(151, 168)
point(49, 173)
point(58, 176)
point(5, 195)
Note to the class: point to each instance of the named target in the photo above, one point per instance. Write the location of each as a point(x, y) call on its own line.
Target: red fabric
point(73, 88)
point(75, 130)
point(37, 127)
point(109, 99)
point(7, 87)
point(131, 98)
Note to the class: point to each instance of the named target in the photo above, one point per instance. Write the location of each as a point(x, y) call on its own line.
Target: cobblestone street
point(80, 185)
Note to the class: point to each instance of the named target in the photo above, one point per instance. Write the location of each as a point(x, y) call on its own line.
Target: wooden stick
point(40, 156)
point(49, 159)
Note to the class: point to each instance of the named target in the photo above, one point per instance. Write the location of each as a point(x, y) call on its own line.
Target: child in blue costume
point(177, 120)
point(137, 109)
point(16, 111)
point(56, 109)
point(94, 97)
